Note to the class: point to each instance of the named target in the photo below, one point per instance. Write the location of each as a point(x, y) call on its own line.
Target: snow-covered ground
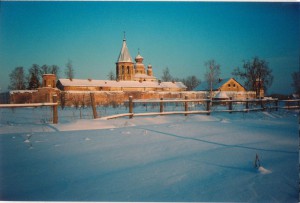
point(158, 158)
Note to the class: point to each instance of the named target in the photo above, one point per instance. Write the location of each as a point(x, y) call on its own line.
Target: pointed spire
point(124, 54)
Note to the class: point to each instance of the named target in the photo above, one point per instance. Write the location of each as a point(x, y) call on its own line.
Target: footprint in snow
point(225, 121)
point(26, 141)
point(263, 171)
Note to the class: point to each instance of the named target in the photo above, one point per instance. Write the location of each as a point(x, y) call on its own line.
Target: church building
point(130, 76)
point(127, 70)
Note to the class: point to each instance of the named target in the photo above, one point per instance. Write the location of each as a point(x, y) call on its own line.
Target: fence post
point(208, 102)
point(276, 104)
point(230, 105)
point(54, 108)
point(262, 104)
point(161, 105)
point(130, 107)
point(92, 95)
point(247, 104)
point(186, 107)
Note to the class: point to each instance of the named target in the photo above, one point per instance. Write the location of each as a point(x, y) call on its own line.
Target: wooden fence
point(54, 105)
point(262, 104)
point(208, 106)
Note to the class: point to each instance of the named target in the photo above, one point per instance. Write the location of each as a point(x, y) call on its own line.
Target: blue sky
point(177, 35)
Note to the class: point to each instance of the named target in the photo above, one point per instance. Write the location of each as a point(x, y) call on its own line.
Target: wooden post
point(54, 108)
point(276, 104)
point(130, 107)
point(161, 105)
point(92, 95)
point(230, 105)
point(262, 104)
point(247, 105)
point(208, 103)
point(186, 107)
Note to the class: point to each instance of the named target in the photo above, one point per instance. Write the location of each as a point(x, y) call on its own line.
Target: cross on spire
point(124, 36)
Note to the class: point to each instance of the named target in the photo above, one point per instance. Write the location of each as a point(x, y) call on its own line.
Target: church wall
point(33, 96)
point(72, 98)
point(78, 98)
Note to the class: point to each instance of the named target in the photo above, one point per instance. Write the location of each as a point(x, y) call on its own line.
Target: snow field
point(161, 158)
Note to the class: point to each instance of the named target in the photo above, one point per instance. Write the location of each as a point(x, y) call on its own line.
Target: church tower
point(124, 65)
point(139, 66)
point(149, 71)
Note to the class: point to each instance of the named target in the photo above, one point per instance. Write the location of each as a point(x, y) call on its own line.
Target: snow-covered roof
point(173, 85)
point(139, 57)
point(113, 83)
point(145, 76)
point(124, 54)
point(221, 95)
point(21, 91)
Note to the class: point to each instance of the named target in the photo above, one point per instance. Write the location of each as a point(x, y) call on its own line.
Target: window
point(229, 85)
point(122, 69)
point(128, 70)
point(233, 85)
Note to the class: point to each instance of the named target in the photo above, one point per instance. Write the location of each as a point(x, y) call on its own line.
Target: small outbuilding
point(221, 96)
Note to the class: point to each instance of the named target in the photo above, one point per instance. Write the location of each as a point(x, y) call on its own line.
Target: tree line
point(251, 71)
point(32, 79)
point(255, 75)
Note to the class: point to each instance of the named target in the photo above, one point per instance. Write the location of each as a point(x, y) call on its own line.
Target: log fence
point(261, 105)
point(53, 104)
point(208, 106)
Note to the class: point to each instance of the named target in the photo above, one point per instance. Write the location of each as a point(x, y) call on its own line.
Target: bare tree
point(296, 82)
point(191, 82)
point(111, 75)
point(212, 74)
point(17, 79)
point(166, 75)
point(256, 75)
point(54, 69)
point(45, 69)
point(69, 71)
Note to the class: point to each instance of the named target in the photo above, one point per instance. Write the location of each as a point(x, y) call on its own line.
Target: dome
point(139, 58)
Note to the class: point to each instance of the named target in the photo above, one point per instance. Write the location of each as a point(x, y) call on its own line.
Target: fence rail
point(54, 105)
point(263, 103)
point(184, 106)
point(27, 105)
